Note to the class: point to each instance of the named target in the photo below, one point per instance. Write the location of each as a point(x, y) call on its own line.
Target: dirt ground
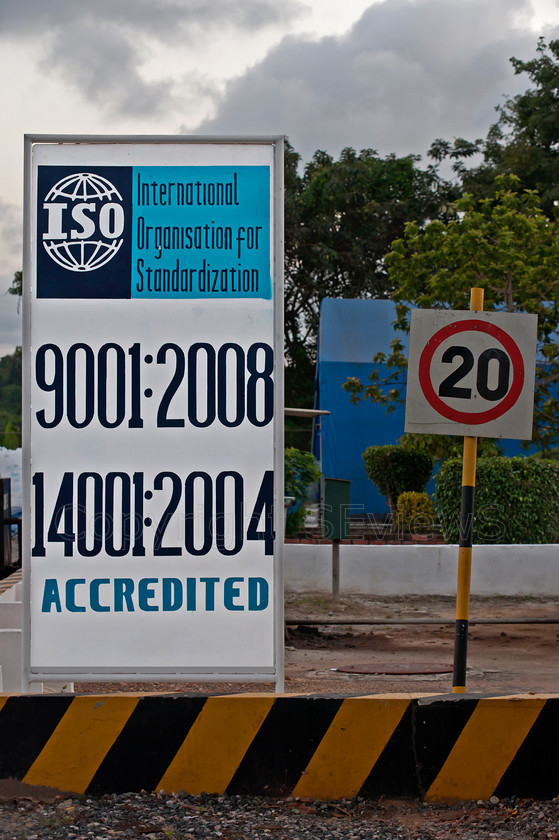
point(502, 658)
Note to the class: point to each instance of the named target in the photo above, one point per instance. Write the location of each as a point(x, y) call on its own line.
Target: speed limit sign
point(471, 373)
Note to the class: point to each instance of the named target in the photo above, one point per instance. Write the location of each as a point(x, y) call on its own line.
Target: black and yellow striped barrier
point(442, 748)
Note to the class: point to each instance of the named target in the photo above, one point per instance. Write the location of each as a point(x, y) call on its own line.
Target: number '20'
point(449, 387)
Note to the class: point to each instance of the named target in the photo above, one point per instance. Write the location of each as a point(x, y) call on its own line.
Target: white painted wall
point(366, 570)
point(423, 570)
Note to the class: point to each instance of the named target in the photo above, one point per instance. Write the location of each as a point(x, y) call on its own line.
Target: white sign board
point(153, 354)
point(471, 373)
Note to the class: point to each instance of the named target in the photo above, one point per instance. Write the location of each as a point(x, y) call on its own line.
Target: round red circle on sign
point(471, 417)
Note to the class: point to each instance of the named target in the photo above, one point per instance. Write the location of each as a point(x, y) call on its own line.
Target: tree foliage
point(517, 500)
point(416, 512)
point(16, 287)
point(300, 471)
point(523, 141)
point(396, 470)
point(10, 400)
point(505, 245)
point(341, 217)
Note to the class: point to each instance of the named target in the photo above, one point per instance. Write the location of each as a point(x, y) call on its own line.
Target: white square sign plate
point(471, 373)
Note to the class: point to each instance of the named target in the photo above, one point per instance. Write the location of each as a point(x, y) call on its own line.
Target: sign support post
point(465, 544)
point(472, 374)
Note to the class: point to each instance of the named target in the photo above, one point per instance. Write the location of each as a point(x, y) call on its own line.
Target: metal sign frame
point(129, 151)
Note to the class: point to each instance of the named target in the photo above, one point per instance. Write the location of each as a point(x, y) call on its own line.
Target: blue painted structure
point(351, 332)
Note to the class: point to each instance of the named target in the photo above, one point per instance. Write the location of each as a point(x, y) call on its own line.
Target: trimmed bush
point(416, 512)
point(395, 470)
point(300, 471)
point(549, 455)
point(516, 500)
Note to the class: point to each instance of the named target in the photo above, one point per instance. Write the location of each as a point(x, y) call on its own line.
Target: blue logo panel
point(154, 232)
point(201, 232)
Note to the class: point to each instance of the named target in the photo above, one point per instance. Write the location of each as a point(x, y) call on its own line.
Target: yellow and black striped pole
point(465, 544)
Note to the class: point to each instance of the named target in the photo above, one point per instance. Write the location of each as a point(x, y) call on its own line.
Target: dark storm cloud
point(98, 60)
point(164, 18)
point(407, 73)
point(99, 45)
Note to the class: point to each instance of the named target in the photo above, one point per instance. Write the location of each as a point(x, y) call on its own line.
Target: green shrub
point(516, 500)
point(301, 470)
point(441, 447)
point(549, 455)
point(416, 512)
point(395, 470)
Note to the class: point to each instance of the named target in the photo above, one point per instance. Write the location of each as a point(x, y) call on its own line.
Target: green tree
point(505, 245)
point(523, 141)
point(341, 217)
point(299, 370)
point(16, 287)
point(12, 438)
point(10, 399)
point(300, 470)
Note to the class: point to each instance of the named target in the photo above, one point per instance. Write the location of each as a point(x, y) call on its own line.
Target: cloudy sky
point(392, 75)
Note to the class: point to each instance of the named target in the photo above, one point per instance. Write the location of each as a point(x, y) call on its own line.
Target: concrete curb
point(512, 570)
point(441, 748)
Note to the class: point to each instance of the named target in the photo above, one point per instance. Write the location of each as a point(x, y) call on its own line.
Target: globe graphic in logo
point(85, 222)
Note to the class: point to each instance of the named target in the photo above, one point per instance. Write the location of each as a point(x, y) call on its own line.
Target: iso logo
point(85, 222)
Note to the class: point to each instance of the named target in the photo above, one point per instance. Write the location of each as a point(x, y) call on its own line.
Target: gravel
point(183, 817)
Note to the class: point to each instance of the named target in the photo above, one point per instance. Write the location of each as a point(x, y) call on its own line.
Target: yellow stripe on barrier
point(80, 742)
point(350, 748)
point(216, 744)
point(483, 752)
point(2, 702)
